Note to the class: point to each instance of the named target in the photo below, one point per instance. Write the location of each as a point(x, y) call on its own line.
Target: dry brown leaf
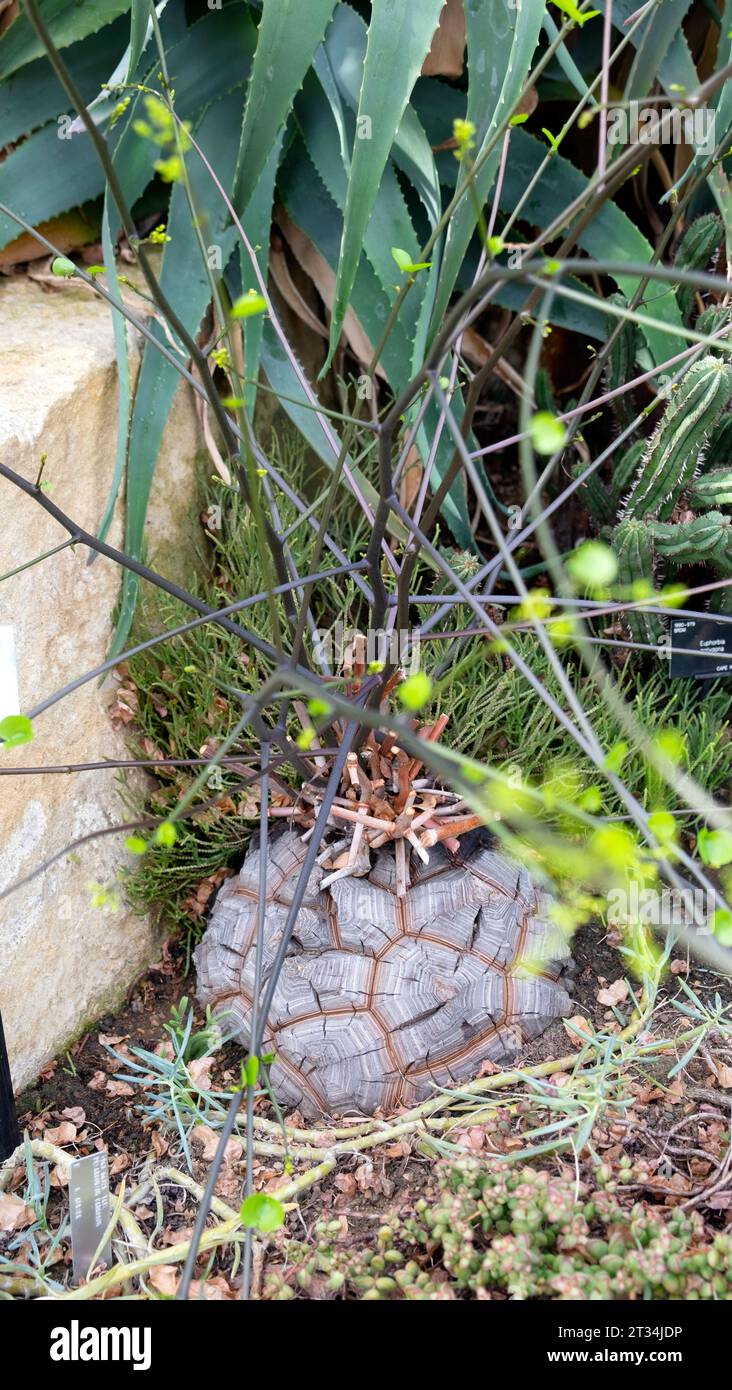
point(578, 1023)
point(477, 350)
point(119, 1088)
point(370, 1180)
point(118, 1164)
point(723, 1073)
point(159, 1144)
point(98, 1081)
point(212, 1290)
point(411, 478)
point(528, 103)
point(65, 1133)
point(445, 58)
point(316, 266)
point(75, 1114)
point(400, 1150)
point(67, 232)
point(200, 1072)
point(346, 1183)
point(289, 291)
point(209, 1140)
point(675, 1093)
point(14, 1214)
point(616, 993)
point(164, 1279)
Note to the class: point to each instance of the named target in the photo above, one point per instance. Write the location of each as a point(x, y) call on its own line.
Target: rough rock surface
point(62, 960)
point(381, 998)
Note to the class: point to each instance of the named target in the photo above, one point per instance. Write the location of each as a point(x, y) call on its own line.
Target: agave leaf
point(324, 73)
point(675, 67)
point(45, 176)
point(346, 44)
point(124, 398)
point(654, 42)
point(67, 21)
point(581, 318)
point(256, 221)
point(140, 32)
point(295, 402)
point(455, 505)
point(310, 206)
point(501, 44)
point(34, 95)
point(399, 39)
point(564, 57)
point(184, 279)
point(389, 224)
point(288, 35)
point(610, 235)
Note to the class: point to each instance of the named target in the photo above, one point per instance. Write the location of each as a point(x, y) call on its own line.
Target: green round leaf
point(546, 432)
point(260, 1212)
point(135, 844)
point(715, 847)
point(319, 709)
point(248, 304)
point(166, 834)
point(415, 691)
point(593, 565)
point(252, 1071)
point(64, 267)
point(721, 925)
point(663, 825)
point(15, 729)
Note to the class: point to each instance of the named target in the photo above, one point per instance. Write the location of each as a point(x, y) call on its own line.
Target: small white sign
point(9, 702)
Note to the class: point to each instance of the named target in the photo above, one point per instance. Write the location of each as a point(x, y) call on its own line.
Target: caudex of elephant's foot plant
point(418, 950)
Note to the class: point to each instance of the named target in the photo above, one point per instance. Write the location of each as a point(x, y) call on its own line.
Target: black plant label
point(707, 647)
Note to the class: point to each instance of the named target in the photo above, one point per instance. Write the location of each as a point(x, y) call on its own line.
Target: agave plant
point(352, 146)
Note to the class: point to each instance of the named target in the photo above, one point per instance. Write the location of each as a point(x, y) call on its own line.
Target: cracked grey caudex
point(419, 951)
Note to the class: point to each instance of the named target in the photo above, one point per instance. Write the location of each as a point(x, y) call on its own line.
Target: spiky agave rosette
point(419, 953)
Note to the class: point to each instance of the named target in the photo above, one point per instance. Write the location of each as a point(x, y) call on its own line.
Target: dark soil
point(367, 1187)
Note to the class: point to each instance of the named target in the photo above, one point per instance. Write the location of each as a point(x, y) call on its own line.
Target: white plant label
point(9, 702)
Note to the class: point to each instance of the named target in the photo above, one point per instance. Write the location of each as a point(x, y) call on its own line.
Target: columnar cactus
point(667, 492)
point(673, 456)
